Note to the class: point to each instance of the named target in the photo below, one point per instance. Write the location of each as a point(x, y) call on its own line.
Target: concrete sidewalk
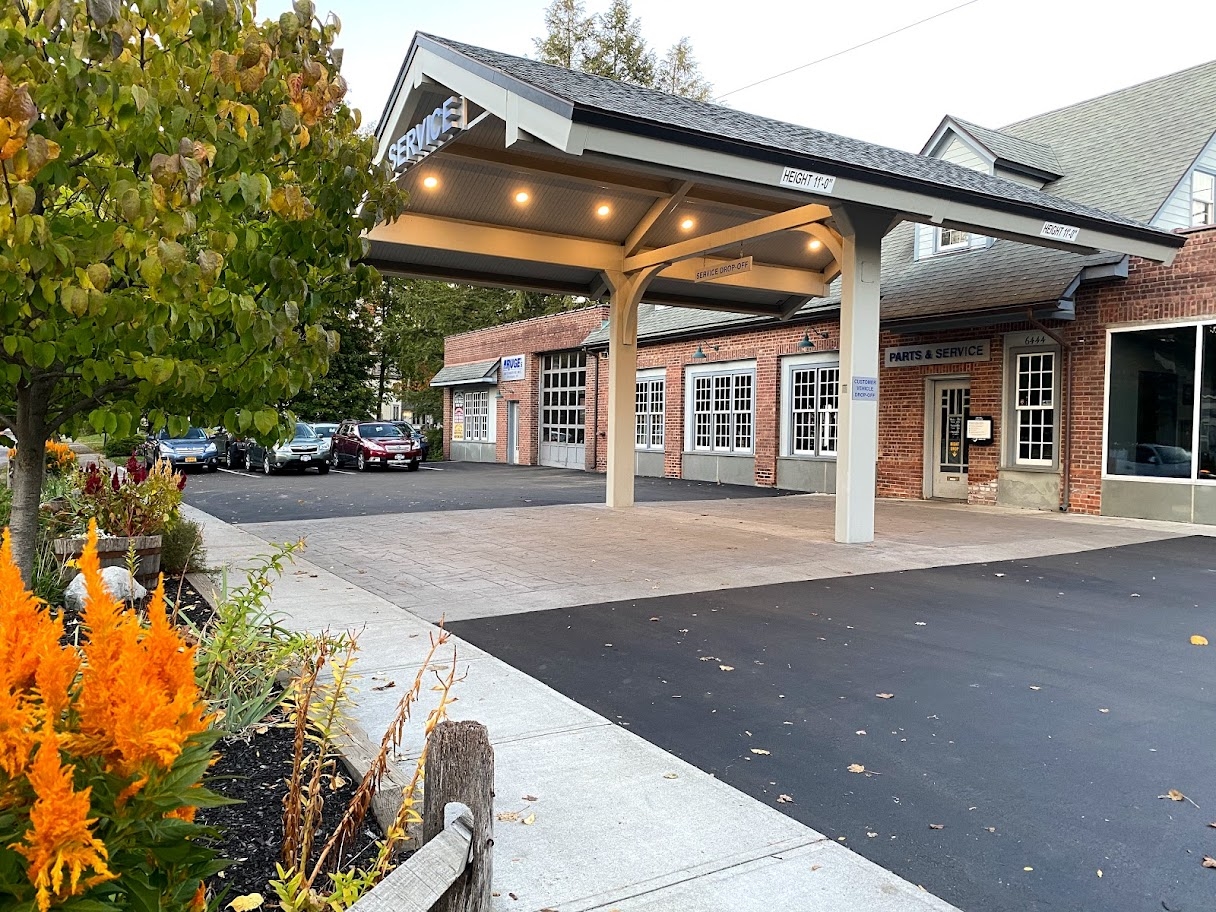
point(619, 824)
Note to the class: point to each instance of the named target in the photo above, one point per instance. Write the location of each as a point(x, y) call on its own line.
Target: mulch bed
point(253, 770)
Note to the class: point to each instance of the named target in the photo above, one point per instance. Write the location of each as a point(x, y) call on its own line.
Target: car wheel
point(230, 457)
point(413, 466)
point(267, 468)
point(213, 466)
point(323, 468)
point(361, 462)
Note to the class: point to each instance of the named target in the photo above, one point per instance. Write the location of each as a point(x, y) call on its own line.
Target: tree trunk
point(380, 394)
point(460, 767)
point(29, 467)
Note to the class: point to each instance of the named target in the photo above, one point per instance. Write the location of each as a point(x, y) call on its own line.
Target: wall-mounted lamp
point(699, 355)
point(499, 395)
point(805, 343)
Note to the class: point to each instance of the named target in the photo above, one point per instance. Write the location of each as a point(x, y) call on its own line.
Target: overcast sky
point(991, 62)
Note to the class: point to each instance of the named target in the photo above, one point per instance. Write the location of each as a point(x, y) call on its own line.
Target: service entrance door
point(512, 433)
point(563, 394)
point(951, 406)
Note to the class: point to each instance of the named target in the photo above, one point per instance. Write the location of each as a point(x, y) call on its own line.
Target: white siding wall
point(1176, 213)
point(952, 149)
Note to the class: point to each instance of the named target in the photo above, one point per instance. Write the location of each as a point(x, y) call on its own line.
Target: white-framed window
point(947, 239)
point(721, 403)
point(1203, 198)
point(477, 416)
point(810, 404)
point(651, 403)
point(1034, 396)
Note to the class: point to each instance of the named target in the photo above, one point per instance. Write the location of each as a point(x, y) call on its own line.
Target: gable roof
point(1011, 150)
point(597, 101)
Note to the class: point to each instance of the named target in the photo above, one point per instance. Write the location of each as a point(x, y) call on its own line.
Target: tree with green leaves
point(183, 194)
point(568, 31)
point(618, 50)
point(678, 73)
point(345, 391)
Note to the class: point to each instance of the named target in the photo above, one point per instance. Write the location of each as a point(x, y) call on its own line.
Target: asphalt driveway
point(1037, 710)
point(244, 497)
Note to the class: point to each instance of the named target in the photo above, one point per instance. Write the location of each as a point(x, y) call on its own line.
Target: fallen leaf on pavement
point(937, 826)
point(1103, 710)
point(784, 799)
point(654, 619)
point(670, 776)
point(1209, 861)
point(759, 750)
point(529, 798)
point(386, 686)
point(1035, 687)
point(856, 768)
point(1198, 640)
point(871, 834)
point(860, 731)
point(1028, 868)
point(247, 903)
point(709, 658)
point(507, 816)
point(990, 829)
point(529, 820)
point(816, 867)
point(1175, 795)
point(727, 667)
point(884, 696)
point(920, 623)
point(1099, 872)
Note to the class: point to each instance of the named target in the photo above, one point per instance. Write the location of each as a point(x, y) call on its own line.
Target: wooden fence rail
point(452, 870)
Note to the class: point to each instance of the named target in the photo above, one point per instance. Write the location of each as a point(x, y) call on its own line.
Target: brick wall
point(530, 338)
point(1152, 293)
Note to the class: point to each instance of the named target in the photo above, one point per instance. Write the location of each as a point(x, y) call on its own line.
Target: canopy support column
point(627, 293)
point(857, 446)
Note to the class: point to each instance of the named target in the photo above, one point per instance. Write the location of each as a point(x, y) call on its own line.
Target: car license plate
point(399, 457)
point(191, 459)
point(305, 459)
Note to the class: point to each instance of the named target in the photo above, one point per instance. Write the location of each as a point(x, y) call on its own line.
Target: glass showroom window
point(477, 416)
point(1203, 198)
point(1150, 410)
point(815, 404)
point(651, 395)
point(722, 406)
point(1034, 405)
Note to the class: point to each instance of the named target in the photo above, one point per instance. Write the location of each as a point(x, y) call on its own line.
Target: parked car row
point(322, 445)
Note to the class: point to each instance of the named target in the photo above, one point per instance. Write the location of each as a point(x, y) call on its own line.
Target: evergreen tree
point(678, 73)
point(618, 49)
point(568, 31)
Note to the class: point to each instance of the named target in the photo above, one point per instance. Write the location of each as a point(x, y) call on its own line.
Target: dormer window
point(947, 239)
point(1203, 198)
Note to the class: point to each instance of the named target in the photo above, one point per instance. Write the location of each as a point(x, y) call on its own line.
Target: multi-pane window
point(650, 403)
point(951, 239)
point(815, 404)
point(1034, 405)
point(1203, 198)
point(722, 411)
point(477, 416)
point(564, 398)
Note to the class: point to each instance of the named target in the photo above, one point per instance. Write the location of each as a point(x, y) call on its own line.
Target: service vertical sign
point(458, 416)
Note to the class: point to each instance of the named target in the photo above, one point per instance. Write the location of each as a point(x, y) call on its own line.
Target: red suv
point(374, 443)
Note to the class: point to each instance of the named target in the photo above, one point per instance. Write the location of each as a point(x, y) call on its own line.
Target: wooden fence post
point(460, 767)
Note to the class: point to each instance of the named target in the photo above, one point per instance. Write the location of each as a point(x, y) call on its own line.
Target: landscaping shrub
point(434, 438)
point(60, 459)
point(121, 447)
point(181, 549)
point(102, 752)
point(136, 502)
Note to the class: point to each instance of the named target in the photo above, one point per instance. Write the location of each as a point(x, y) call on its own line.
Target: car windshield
point(325, 430)
point(304, 432)
point(191, 434)
point(377, 429)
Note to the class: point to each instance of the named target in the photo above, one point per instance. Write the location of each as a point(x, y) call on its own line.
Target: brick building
point(1016, 375)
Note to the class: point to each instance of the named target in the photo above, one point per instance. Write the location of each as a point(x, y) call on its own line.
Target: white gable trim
point(1204, 161)
point(948, 128)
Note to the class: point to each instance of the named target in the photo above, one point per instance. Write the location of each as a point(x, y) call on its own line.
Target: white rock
point(117, 580)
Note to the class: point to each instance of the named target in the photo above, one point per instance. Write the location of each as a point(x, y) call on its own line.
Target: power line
point(847, 50)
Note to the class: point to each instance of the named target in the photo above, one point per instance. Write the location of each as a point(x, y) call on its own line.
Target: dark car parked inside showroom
point(305, 450)
point(193, 449)
point(374, 443)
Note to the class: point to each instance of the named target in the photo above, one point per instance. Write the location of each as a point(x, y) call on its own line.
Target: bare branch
point(99, 394)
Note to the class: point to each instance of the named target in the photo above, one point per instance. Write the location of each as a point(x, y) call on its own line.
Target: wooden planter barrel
point(113, 551)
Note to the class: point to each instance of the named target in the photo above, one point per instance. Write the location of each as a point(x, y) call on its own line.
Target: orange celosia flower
point(138, 702)
point(32, 663)
point(60, 842)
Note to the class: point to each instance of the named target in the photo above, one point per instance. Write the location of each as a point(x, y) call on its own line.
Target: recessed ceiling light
point(522, 196)
point(687, 224)
point(430, 182)
point(815, 244)
point(602, 211)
